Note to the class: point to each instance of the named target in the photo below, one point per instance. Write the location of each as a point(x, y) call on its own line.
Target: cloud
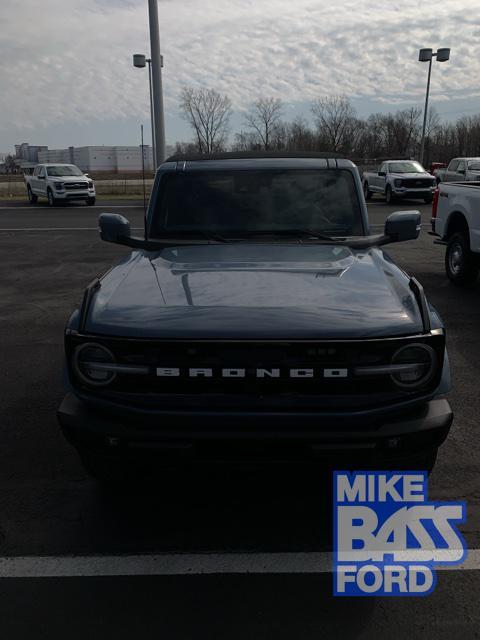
point(71, 61)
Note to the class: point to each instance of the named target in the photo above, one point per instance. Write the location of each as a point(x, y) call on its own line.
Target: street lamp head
point(139, 60)
point(443, 55)
point(425, 55)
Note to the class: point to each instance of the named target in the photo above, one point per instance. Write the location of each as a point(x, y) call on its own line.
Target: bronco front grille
point(333, 384)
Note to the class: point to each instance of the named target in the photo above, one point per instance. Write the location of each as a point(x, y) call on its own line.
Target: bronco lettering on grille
point(175, 372)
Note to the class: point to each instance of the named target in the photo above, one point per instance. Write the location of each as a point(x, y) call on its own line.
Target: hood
point(411, 176)
point(70, 178)
point(250, 291)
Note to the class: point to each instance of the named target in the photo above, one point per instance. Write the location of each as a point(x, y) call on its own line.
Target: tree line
point(335, 126)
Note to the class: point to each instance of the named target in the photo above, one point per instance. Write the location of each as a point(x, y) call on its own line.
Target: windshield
point(248, 202)
point(474, 166)
point(406, 167)
point(63, 170)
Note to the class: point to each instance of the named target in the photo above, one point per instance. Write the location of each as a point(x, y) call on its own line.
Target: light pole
point(157, 81)
point(140, 61)
point(427, 55)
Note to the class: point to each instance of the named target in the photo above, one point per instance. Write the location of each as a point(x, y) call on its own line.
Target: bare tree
point(208, 113)
point(335, 119)
point(263, 118)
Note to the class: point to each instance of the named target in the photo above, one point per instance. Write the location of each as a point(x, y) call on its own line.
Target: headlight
point(416, 366)
point(90, 184)
point(92, 364)
point(397, 182)
point(59, 186)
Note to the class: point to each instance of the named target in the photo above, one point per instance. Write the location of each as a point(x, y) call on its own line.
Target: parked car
point(59, 183)
point(456, 220)
point(459, 170)
point(436, 165)
point(399, 179)
point(256, 319)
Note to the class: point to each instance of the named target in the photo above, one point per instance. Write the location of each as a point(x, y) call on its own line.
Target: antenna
point(144, 193)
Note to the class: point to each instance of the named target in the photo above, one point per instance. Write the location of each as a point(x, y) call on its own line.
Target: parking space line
point(183, 564)
point(97, 206)
point(58, 229)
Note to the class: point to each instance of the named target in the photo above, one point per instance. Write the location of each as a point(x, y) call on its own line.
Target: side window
point(41, 172)
point(461, 166)
point(453, 166)
point(384, 168)
point(35, 171)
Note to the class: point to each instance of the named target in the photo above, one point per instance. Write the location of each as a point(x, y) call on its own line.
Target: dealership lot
point(48, 507)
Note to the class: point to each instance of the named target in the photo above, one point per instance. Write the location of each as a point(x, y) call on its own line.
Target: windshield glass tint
point(406, 167)
point(236, 202)
point(61, 171)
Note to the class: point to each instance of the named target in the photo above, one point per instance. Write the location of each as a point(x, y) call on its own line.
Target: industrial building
point(101, 159)
point(94, 159)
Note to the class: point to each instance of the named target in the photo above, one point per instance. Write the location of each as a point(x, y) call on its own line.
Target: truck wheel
point(51, 198)
point(366, 191)
point(461, 264)
point(90, 201)
point(32, 198)
point(389, 197)
point(111, 473)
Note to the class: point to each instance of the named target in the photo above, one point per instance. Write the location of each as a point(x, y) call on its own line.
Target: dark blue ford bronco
point(257, 319)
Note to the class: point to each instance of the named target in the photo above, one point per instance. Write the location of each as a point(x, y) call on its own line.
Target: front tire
point(51, 198)
point(32, 198)
point(389, 197)
point(462, 266)
point(112, 473)
point(366, 191)
point(90, 201)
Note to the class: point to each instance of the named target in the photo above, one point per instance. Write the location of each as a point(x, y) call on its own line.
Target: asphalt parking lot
point(49, 507)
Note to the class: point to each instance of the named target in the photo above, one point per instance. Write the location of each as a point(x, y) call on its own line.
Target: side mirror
point(114, 228)
point(462, 171)
point(403, 225)
point(382, 174)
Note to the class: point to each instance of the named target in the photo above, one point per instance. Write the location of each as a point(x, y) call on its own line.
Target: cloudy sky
point(66, 75)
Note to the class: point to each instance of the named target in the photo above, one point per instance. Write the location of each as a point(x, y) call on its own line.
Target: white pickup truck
point(398, 179)
point(59, 183)
point(456, 220)
point(459, 170)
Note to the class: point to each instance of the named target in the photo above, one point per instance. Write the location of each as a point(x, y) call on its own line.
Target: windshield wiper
point(307, 233)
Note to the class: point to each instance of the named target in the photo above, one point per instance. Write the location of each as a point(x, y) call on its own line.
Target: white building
point(95, 159)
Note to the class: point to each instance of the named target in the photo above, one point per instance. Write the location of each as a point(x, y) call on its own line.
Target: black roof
point(247, 155)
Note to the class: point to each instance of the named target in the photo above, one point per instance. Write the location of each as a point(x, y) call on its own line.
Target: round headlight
point(418, 364)
point(91, 364)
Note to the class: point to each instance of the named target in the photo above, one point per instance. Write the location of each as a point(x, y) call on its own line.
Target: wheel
point(51, 198)
point(90, 201)
point(461, 264)
point(32, 198)
point(389, 197)
point(113, 473)
point(421, 462)
point(366, 191)
point(428, 200)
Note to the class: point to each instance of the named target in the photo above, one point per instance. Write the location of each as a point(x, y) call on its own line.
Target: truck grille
point(71, 186)
point(417, 183)
point(333, 385)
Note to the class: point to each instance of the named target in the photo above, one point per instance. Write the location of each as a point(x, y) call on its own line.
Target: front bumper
point(74, 195)
point(401, 192)
point(205, 435)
